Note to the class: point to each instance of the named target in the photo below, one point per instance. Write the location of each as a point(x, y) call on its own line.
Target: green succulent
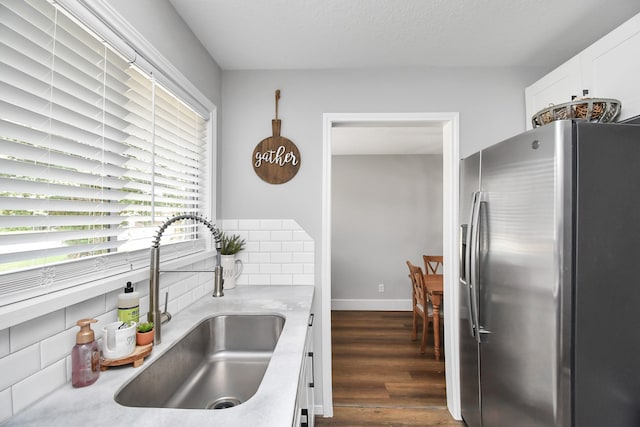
point(232, 244)
point(145, 327)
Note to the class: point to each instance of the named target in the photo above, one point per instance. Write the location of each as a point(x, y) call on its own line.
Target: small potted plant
point(231, 244)
point(144, 334)
point(231, 267)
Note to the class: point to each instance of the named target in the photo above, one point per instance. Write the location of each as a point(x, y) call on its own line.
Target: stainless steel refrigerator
point(550, 283)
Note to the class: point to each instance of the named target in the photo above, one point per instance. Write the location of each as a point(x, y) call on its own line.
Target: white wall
point(385, 210)
point(159, 23)
point(490, 102)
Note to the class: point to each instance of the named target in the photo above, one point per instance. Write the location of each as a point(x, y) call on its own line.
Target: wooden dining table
point(434, 284)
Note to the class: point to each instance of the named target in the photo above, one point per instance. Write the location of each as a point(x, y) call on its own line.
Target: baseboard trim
point(371, 304)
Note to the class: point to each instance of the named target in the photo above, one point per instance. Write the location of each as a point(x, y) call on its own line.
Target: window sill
point(26, 310)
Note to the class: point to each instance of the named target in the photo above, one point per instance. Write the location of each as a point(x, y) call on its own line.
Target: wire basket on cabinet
point(598, 110)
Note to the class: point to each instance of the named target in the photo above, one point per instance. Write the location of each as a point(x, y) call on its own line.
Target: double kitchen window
point(94, 154)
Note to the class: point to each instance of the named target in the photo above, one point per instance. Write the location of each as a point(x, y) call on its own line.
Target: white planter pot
point(231, 270)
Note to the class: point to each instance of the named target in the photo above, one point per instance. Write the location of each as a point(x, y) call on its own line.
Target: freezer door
point(607, 292)
point(518, 265)
point(469, 356)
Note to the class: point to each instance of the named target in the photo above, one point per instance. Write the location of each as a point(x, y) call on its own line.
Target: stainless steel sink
point(218, 364)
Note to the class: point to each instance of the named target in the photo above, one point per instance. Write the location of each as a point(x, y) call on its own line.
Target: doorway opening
point(450, 156)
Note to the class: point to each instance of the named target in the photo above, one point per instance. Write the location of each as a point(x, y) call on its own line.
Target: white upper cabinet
point(610, 68)
point(555, 88)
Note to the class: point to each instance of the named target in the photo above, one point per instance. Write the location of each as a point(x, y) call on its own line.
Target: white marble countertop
point(272, 405)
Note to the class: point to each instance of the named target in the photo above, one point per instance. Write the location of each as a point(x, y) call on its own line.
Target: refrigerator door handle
point(478, 238)
point(464, 272)
point(462, 248)
point(471, 263)
point(480, 248)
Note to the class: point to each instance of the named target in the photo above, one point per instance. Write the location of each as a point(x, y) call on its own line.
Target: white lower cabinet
point(305, 403)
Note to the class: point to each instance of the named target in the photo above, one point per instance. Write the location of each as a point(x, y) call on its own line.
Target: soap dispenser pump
point(85, 356)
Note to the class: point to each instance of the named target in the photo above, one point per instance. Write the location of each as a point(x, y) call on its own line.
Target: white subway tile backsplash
point(5, 405)
point(144, 307)
point(250, 247)
point(172, 307)
point(248, 224)
point(303, 257)
point(271, 224)
point(39, 385)
point(282, 279)
point(284, 235)
point(260, 235)
point(271, 246)
point(19, 365)
point(199, 292)
point(277, 248)
point(282, 257)
point(57, 347)
point(301, 235)
point(229, 224)
point(111, 299)
point(248, 269)
point(5, 348)
point(68, 367)
point(293, 246)
point(289, 224)
point(260, 279)
point(270, 268)
point(293, 268)
point(179, 287)
point(182, 302)
point(85, 309)
point(27, 333)
point(259, 257)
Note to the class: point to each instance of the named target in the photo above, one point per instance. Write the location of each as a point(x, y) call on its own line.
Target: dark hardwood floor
point(379, 376)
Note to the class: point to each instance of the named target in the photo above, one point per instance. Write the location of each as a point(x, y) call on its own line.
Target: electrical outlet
point(381, 287)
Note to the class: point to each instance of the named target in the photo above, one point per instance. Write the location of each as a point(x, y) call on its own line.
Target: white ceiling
point(329, 34)
point(312, 34)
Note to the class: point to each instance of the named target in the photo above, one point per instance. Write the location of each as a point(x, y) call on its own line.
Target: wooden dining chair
point(420, 305)
point(433, 264)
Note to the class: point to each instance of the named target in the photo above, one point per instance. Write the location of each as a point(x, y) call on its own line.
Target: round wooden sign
point(276, 159)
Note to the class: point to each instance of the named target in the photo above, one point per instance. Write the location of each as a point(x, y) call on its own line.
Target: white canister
point(118, 340)
point(231, 270)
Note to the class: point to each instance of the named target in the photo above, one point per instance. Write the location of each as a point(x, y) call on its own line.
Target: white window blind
point(94, 155)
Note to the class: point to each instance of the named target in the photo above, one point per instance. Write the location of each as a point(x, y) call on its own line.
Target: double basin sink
point(218, 364)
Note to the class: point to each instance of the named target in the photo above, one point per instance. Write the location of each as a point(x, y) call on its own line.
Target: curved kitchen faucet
point(155, 315)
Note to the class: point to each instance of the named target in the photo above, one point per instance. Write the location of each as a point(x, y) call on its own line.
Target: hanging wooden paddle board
point(276, 159)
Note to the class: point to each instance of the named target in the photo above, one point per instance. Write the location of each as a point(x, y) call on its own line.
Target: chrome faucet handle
point(165, 316)
point(166, 301)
